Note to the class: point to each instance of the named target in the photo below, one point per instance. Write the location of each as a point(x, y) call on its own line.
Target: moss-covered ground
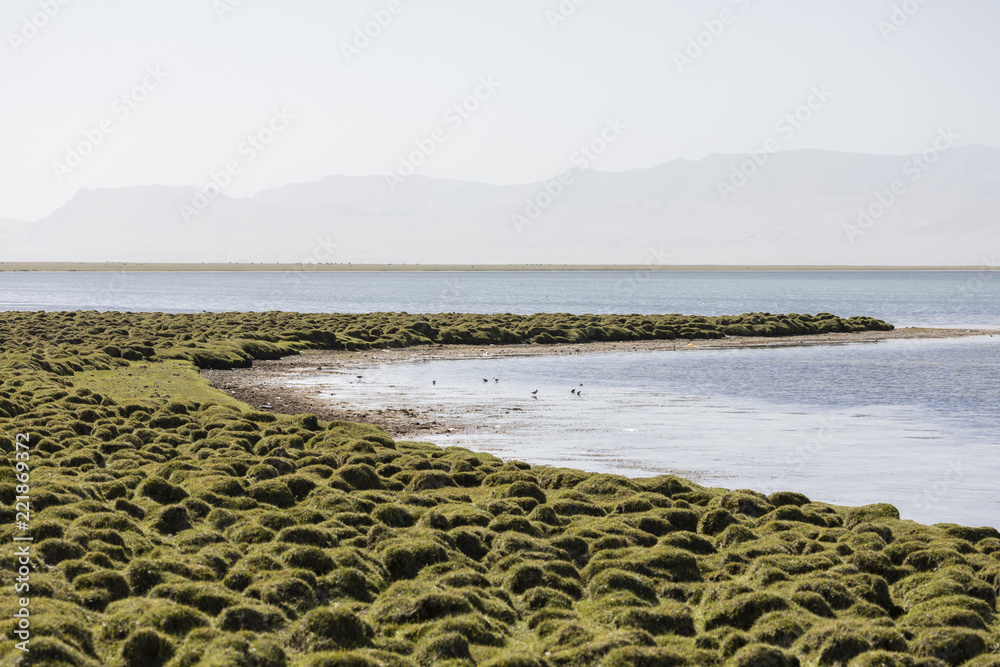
point(228, 340)
point(175, 526)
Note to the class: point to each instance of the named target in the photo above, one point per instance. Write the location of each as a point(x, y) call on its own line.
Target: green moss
point(348, 583)
point(306, 535)
point(955, 611)
point(98, 589)
point(52, 652)
point(644, 656)
point(762, 655)
point(272, 492)
point(450, 648)
point(55, 550)
point(429, 480)
point(171, 520)
point(612, 486)
point(252, 618)
point(233, 530)
point(519, 524)
point(404, 558)
point(833, 591)
point(930, 560)
point(231, 651)
point(210, 599)
point(525, 576)
point(748, 503)
point(417, 602)
point(952, 645)
point(688, 542)
point(742, 611)
point(394, 516)
point(330, 628)
point(870, 513)
point(670, 617)
point(146, 648)
point(781, 628)
point(513, 659)
point(614, 580)
point(716, 521)
point(840, 641)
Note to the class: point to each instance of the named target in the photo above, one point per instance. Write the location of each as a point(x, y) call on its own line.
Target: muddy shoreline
point(266, 384)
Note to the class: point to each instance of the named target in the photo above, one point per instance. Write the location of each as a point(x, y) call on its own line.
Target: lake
point(905, 298)
point(911, 422)
point(914, 423)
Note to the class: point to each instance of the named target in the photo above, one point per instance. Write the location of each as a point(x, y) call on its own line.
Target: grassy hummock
point(233, 340)
point(175, 526)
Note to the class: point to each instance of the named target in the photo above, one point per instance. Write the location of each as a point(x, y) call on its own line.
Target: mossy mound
point(174, 531)
point(92, 340)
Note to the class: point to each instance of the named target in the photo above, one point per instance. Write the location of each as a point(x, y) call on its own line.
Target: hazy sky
point(183, 85)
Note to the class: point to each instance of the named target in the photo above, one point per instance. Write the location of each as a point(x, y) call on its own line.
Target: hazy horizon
point(318, 179)
point(497, 93)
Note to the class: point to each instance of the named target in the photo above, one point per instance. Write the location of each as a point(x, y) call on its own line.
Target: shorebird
point(359, 376)
point(572, 391)
point(534, 392)
point(496, 379)
point(434, 381)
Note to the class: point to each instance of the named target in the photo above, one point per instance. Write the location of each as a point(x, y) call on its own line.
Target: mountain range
point(797, 207)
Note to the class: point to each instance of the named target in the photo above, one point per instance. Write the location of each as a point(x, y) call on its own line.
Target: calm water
point(905, 298)
point(910, 422)
point(914, 423)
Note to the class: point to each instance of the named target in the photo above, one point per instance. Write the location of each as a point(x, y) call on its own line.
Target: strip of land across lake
point(263, 266)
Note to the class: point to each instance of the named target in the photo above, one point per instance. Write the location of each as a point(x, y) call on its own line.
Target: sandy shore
point(267, 383)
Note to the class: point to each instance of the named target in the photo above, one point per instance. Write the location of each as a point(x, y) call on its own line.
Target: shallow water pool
point(912, 422)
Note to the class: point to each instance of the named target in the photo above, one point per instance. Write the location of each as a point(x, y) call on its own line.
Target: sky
point(116, 93)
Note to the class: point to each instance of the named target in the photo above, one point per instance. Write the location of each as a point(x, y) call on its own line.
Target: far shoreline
point(265, 267)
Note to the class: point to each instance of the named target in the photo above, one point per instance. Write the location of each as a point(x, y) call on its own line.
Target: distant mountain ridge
point(798, 207)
